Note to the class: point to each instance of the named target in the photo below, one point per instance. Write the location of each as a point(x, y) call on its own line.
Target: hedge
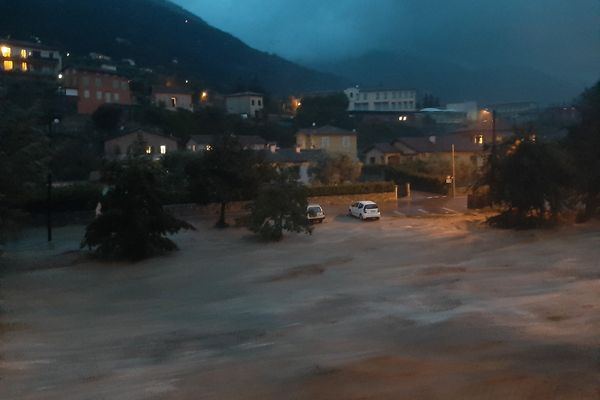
point(354, 188)
point(422, 182)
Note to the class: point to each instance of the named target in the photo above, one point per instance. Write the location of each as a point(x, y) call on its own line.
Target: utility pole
point(453, 173)
point(49, 183)
point(494, 150)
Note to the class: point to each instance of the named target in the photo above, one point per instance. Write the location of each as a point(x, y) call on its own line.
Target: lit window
point(24, 67)
point(163, 149)
point(6, 52)
point(8, 65)
point(23, 53)
point(149, 150)
point(479, 139)
point(208, 147)
point(193, 147)
point(173, 102)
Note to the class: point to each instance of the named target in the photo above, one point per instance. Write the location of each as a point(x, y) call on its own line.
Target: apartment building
point(29, 58)
point(381, 100)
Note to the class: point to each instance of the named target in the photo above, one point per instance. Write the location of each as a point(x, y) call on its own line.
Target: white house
point(381, 100)
point(172, 98)
point(246, 103)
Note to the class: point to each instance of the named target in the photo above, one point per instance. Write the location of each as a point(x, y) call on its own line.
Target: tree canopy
point(132, 224)
point(280, 206)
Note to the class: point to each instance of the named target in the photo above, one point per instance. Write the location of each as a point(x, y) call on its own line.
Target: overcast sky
point(561, 37)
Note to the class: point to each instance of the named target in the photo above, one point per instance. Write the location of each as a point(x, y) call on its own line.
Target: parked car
point(315, 213)
point(364, 209)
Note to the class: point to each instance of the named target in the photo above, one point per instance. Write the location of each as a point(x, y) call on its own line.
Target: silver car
point(315, 213)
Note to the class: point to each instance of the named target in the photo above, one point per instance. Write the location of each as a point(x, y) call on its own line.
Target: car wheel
point(362, 216)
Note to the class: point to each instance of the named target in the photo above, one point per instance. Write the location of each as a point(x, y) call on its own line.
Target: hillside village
point(117, 100)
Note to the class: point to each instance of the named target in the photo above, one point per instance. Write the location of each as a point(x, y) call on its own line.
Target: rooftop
point(244, 94)
point(326, 130)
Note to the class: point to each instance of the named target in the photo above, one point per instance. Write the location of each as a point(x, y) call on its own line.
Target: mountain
point(450, 81)
point(160, 35)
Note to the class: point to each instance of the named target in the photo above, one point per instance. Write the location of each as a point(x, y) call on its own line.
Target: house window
point(98, 82)
point(6, 51)
point(163, 149)
point(98, 95)
point(86, 81)
point(479, 139)
point(24, 67)
point(117, 97)
point(23, 53)
point(86, 94)
point(194, 147)
point(345, 141)
point(324, 142)
point(45, 54)
point(115, 84)
point(8, 65)
point(124, 85)
point(260, 102)
point(252, 101)
point(107, 97)
point(173, 102)
point(372, 160)
point(149, 150)
point(364, 96)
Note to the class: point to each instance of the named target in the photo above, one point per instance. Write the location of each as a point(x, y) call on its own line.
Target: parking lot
point(415, 308)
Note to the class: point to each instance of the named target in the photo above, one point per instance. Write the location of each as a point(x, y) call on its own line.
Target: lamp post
point(51, 123)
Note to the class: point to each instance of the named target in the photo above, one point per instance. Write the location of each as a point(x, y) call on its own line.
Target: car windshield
point(371, 207)
point(314, 210)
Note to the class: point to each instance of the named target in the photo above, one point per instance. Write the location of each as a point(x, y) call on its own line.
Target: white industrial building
point(382, 100)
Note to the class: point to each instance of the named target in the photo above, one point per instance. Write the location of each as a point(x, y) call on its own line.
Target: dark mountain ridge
point(160, 35)
point(450, 81)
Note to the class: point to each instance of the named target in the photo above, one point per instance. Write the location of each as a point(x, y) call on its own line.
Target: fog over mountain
point(556, 40)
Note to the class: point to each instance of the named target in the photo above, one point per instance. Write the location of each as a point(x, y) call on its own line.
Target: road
point(424, 204)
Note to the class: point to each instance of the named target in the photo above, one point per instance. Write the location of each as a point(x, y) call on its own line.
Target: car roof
point(314, 205)
point(366, 202)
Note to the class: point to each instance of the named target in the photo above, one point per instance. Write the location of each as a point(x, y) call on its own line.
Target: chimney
point(432, 139)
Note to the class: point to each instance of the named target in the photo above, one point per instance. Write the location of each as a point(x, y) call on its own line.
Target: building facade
point(330, 139)
point(152, 144)
point(29, 58)
point(172, 98)
point(247, 103)
point(381, 100)
point(95, 87)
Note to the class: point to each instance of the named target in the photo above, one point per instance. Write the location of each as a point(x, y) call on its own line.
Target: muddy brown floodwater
point(402, 308)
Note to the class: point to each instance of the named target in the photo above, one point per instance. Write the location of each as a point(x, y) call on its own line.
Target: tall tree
point(132, 223)
point(337, 169)
point(23, 162)
point(280, 206)
point(323, 110)
point(584, 144)
point(529, 180)
point(226, 173)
